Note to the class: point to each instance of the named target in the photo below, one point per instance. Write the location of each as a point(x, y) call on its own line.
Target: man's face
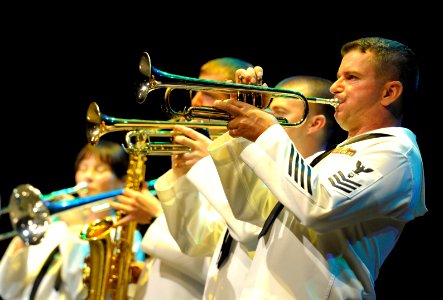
point(292, 110)
point(359, 91)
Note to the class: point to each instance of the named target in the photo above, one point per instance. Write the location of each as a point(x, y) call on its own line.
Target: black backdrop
point(54, 66)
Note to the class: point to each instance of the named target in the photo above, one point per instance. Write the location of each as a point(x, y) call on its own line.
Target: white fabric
point(19, 269)
point(227, 281)
point(194, 224)
point(341, 218)
point(199, 214)
point(172, 274)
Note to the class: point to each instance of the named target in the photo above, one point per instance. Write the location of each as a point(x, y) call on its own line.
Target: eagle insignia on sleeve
point(355, 179)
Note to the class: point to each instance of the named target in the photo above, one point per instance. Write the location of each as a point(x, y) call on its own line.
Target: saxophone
point(108, 270)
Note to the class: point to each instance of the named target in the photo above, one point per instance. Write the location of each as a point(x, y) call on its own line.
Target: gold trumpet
point(99, 124)
point(158, 79)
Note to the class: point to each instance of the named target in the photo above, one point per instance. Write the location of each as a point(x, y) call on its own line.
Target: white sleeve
point(380, 176)
point(74, 251)
point(14, 270)
point(205, 177)
point(159, 243)
point(195, 225)
point(249, 199)
point(19, 268)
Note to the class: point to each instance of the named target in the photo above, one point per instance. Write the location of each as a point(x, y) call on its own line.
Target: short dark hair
point(319, 87)
point(108, 152)
point(393, 60)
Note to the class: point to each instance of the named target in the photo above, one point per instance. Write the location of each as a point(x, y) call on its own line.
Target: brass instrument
point(108, 272)
point(158, 79)
point(29, 210)
point(99, 124)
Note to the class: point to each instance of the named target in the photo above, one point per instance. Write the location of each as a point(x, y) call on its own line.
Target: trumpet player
point(235, 246)
point(175, 273)
point(339, 213)
point(52, 269)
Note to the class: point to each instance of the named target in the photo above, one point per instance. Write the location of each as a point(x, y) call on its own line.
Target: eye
point(102, 168)
point(82, 168)
point(279, 112)
point(351, 77)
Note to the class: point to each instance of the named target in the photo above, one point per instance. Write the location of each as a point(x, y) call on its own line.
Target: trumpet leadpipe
point(333, 101)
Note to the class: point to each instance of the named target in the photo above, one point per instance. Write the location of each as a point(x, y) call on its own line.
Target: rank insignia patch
point(354, 179)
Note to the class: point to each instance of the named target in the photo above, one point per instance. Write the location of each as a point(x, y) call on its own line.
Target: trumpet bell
point(99, 124)
point(257, 95)
point(93, 118)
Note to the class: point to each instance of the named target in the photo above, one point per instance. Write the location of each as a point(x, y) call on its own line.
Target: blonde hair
point(225, 66)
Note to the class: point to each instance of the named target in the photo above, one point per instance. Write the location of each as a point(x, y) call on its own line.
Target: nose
point(336, 87)
point(197, 100)
point(86, 175)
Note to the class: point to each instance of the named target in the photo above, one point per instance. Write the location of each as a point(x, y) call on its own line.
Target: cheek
point(107, 183)
point(208, 101)
point(295, 116)
point(293, 133)
point(79, 178)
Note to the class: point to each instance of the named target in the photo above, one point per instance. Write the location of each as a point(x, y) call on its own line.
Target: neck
point(311, 147)
point(374, 126)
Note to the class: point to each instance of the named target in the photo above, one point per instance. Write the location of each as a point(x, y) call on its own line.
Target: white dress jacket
point(198, 216)
point(341, 218)
point(171, 274)
point(19, 269)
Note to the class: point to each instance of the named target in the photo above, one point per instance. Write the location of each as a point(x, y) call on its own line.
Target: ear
point(392, 92)
point(317, 123)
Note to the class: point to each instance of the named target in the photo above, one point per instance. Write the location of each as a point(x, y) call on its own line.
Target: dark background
point(55, 64)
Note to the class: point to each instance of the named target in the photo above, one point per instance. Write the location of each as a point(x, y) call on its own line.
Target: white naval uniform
point(194, 224)
point(171, 273)
point(338, 226)
point(227, 281)
point(18, 270)
point(198, 213)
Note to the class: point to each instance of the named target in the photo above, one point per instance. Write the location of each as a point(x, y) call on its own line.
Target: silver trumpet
point(261, 96)
point(30, 211)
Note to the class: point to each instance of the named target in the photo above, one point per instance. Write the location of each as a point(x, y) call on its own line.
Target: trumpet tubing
point(99, 124)
point(158, 79)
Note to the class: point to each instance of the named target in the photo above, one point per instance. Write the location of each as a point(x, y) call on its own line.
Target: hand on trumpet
point(197, 142)
point(249, 120)
point(252, 76)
